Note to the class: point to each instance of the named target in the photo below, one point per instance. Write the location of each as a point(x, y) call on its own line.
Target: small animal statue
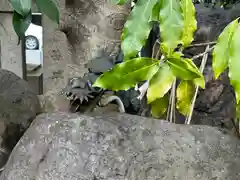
point(81, 94)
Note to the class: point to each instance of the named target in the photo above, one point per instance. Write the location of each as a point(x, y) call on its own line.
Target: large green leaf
point(221, 53)
point(234, 63)
point(118, 2)
point(185, 69)
point(159, 106)
point(200, 82)
point(20, 23)
point(49, 8)
point(171, 23)
point(125, 75)
point(155, 12)
point(185, 93)
point(137, 28)
point(22, 7)
point(190, 23)
point(160, 83)
point(238, 112)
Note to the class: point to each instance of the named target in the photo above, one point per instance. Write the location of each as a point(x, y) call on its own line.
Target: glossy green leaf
point(159, 106)
point(171, 23)
point(234, 63)
point(221, 52)
point(22, 7)
point(49, 8)
point(118, 2)
point(200, 82)
point(160, 83)
point(125, 75)
point(185, 93)
point(189, 22)
point(155, 12)
point(237, 112)
point(20, 23)
point(185, 69)
point(137, 28)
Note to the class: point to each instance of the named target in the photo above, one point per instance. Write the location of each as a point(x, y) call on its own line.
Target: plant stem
point(154, 47)
point(203, 64)
point(204, 53)
point(172, 98)
point(202, 44)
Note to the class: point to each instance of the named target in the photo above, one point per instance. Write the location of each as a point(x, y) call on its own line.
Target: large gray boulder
point(19, 106)
point(114, 146)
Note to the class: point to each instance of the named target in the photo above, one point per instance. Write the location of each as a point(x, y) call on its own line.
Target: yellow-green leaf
point(189, 21)
point(221, 53)
point(199, 82)
point(155, 12)
point(137, 28)
point(171, 23)
point(185, 92)
point(160, 83)
point(185, 69)
point(234, 63)
point(118, 2)
point(125, 75)
point(160, 106)
point(238, 111)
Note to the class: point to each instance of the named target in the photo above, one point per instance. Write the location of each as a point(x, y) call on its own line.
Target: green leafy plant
point(22, 14)
point(178, 25)
point(137, 28)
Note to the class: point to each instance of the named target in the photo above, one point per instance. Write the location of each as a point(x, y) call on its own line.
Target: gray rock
point(19, 106)
point(64, 146)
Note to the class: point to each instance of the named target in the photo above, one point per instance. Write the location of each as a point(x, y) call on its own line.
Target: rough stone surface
point(10, 52)
point(19, 106)
point(85, 28)
point(60, 146)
